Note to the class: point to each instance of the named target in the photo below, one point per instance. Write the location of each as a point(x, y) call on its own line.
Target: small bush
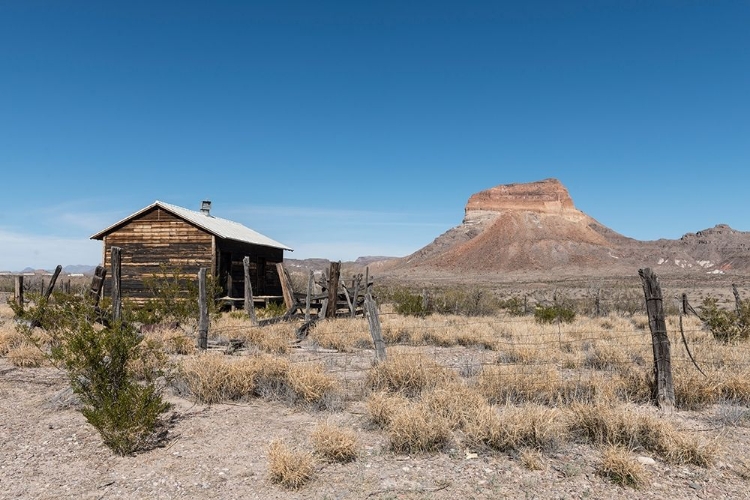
point(409, 304)
point(334, 443)
point(287, 467)
point(552, 314)
point(618, 466)
point(726, 325)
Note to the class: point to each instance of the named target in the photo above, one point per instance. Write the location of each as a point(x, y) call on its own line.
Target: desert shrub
point(334, 443)
point(271, 310)
point(288, 467)
point(726, 325)
point(555, 313)
point(618, 465)
point(474, 302)
point(513, 306)
point(123, 406)
point(408, 303)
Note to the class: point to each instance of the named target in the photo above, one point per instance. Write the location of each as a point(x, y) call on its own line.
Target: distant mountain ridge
point(536, 227)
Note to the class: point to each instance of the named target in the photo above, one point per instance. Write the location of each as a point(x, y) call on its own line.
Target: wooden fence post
point(333, 289)
point(309, 294)
point(249, 302)
point(202, 310)
point(287, 289)
point(373, 319)
point(18, 294)
point(116, 267)
point(659, 338)
point(97, 284)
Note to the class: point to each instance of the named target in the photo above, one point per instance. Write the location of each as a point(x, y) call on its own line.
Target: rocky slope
point(536, 227)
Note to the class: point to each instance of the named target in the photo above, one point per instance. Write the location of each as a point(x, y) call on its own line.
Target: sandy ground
point(49, 451)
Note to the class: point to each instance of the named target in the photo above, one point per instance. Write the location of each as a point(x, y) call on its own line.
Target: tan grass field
point(471, 407)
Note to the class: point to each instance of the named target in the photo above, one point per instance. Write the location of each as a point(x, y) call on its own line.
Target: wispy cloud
point(20, 250)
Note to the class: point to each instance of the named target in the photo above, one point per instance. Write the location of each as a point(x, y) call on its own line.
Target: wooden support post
point(45, 296)
point(660, 340)
point(287, 290)
point(355, 298)
point(308, 296)
point(373, 320)
point(202, 310)
point(116, 266)
point(18, 294)
point(249, 302)
point(333, 289)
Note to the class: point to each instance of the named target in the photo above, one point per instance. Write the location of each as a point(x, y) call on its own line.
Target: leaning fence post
point(249, 302)
point(659, 338)
point(202, 310)
point(116, 265)
point(374, 321)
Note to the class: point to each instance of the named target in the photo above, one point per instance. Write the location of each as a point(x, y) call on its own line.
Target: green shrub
point(726, 325)
point(408, 303)
point(555, 313)
point(98, 361)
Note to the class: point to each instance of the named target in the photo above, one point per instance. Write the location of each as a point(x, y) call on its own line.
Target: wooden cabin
point(163, 236)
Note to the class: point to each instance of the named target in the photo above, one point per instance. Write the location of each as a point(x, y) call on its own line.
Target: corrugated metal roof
point(223, 228)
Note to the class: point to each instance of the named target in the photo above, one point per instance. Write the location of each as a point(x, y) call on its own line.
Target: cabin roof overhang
point(216, 226)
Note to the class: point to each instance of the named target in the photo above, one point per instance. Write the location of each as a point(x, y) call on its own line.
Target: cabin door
point(225, 273)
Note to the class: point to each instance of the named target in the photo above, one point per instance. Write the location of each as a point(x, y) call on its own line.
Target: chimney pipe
point(206, 207)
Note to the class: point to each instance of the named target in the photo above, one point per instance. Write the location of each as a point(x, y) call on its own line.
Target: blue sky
point(361, 128)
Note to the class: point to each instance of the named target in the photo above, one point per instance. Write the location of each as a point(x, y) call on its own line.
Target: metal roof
point(217, 226)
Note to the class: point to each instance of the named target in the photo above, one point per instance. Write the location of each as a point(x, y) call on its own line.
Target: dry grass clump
point(618, 466)
point(382, 405)
point(342, 334)
point(334, 443)
point(408, 373)
point(152, 360)
point(511, 428)
point(454, 402)
point(523, 383)
point(616, 425)
point(311, 383)
point(172, 340)
point(273, 339)
point(9, 338)
point(414, 428)
point(213, 378)
point(531, 459)
point(607, 356)
point(289, 467)
point(25, 355)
